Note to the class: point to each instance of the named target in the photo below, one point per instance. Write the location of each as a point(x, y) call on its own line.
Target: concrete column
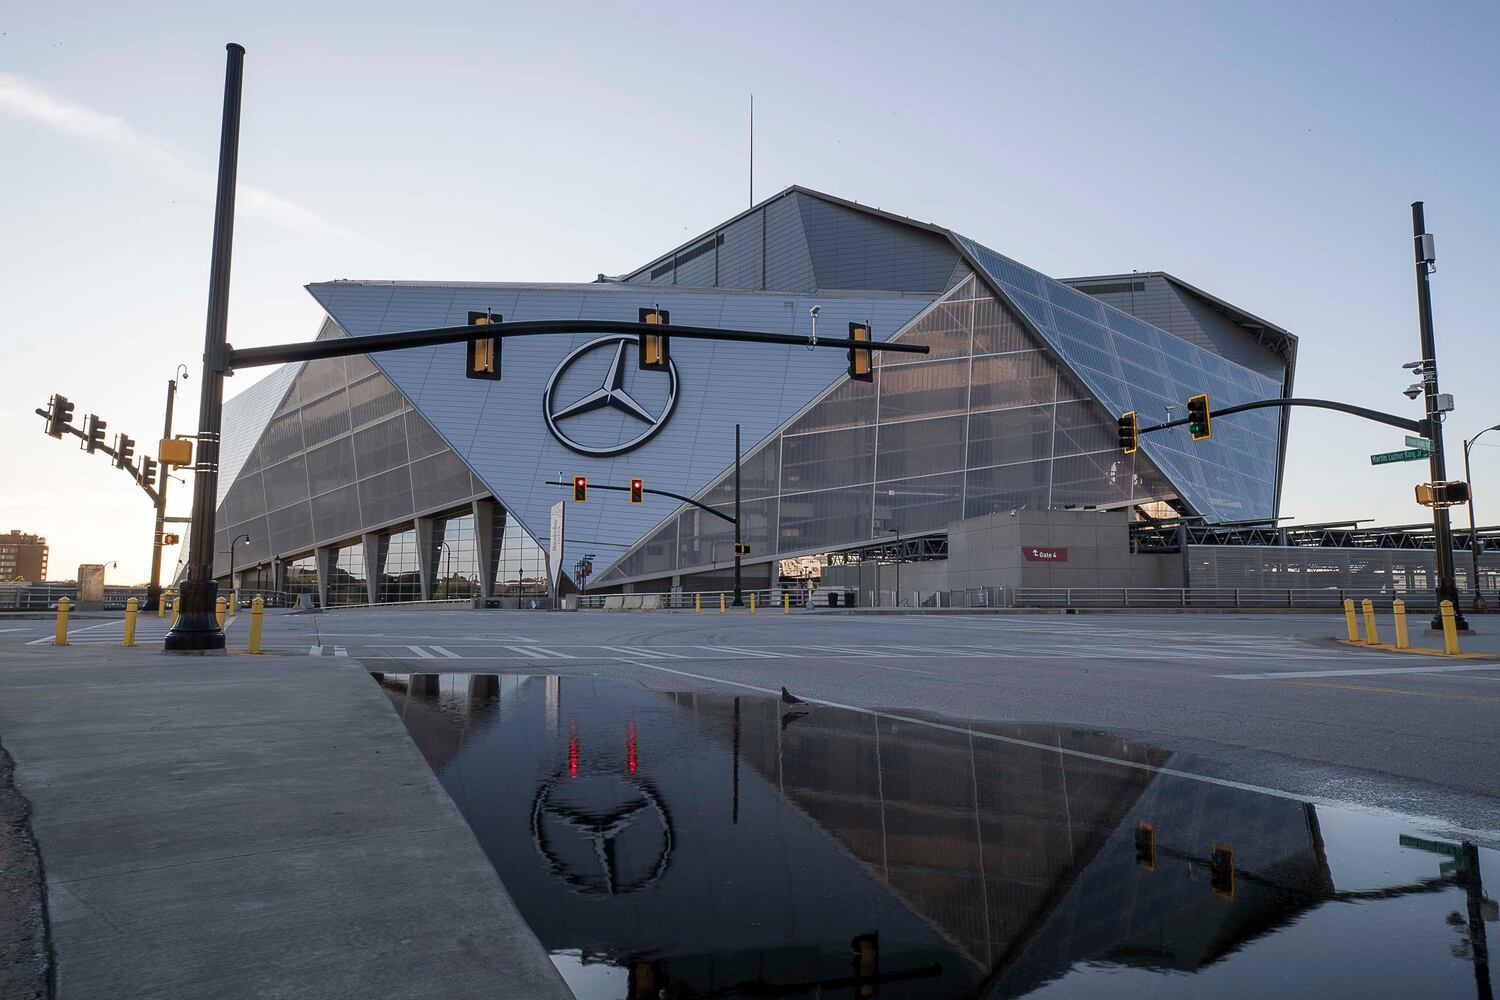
point(374, 562)
point(486, 543)
point(323, 556)
point(427, 547)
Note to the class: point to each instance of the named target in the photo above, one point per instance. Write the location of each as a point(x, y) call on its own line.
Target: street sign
point(555, 546)
point(1410, 455)
point(1420, 443)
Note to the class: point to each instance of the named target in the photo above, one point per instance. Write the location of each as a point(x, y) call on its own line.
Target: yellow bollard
point(257, 616)
point(697, 603)
point(721, 604)
point(132, 608)
point(219, 612)
point(1371, 636)
point(61, 639)
point(752, 602)
point(176, 609)
point(1349, 619)
point(161, 604)
point(1450, 629)
point(1398, 609)
point(786, 604)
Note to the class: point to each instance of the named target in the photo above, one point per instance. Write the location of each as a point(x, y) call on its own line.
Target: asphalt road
point(1265, 700)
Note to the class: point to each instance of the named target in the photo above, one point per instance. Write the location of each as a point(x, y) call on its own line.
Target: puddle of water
point(686, 845)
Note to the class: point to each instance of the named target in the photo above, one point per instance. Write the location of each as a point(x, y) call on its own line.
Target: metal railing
point(707, 601)
point(43, 596)
point(1325, 598)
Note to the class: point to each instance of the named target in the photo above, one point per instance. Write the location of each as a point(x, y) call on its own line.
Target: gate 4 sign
point(1035, 553)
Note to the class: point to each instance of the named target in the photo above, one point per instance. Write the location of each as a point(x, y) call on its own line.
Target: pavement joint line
point(1170, 772)
point(1365, 672)
point(313, 846)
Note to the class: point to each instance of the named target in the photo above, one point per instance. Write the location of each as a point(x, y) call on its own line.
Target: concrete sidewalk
point(249, 827)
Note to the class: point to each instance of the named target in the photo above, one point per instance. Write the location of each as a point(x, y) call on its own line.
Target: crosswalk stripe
point(450, 654)
point(655, 654)
point(763, 654)
point(420, 652)
point(1368, 672)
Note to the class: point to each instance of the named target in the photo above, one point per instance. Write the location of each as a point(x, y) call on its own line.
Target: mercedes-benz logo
point(610, 394)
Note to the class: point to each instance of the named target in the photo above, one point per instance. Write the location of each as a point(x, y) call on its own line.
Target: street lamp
point(1478, 603)
point(233, 590)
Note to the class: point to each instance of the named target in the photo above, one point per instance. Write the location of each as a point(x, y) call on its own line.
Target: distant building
point(23, 556)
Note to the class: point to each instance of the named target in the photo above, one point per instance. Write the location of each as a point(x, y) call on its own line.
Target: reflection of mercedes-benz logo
point(610, 394)
point(602, 834)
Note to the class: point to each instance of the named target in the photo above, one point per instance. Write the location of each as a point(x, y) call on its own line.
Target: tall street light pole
point(232, 588)
point(197, 630)
point(1442, 532)
point(739, 601)
point(1478, 603)
point(153, 590)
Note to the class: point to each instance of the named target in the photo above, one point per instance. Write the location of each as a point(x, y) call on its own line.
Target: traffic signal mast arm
point(1415, 426)
point(660, 493)
point(104, 449)
point(253, 357)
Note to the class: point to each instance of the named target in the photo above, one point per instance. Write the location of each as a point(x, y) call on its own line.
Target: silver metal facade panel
point(499, 429)
point(854, 249)
point(763, 249)
point(244, 420)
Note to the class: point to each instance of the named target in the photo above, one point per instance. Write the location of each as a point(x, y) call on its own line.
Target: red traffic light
point(580, 489)
point(637, 490)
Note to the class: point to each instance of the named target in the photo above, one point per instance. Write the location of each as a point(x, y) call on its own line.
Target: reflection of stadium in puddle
point(711, 844)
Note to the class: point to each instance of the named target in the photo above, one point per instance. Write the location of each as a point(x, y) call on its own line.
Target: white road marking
point(538, 653)
point(856, 651)
point(652, 653)
point(1288, 674)
point(746, 652)
point(450, 654)
point(314, 650)
point(422, 653)
point(340, 651)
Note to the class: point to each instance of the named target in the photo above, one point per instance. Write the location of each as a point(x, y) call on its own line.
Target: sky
point(1267, 153)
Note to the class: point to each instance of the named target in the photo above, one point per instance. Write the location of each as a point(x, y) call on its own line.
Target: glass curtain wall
point(523, 567)
point(401, 576)
point(458, 563)
point(302, 578)
point(346, 584)
point(989, 420)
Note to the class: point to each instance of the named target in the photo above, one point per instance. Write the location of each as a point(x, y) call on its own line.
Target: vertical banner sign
point(555, 549)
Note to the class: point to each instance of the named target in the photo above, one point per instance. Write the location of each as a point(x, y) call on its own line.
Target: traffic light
point(148, 469)
point(741, 549)
point(1198, 425)
point(1221, 871)
point(580, 489)
point(1145, 846)
point(174, 452)
point(637, 490)
point(124, 450)
point(93, 434)
point(866, 950)
point(861, 359)
point(484, 352)
point(1449, 494)
point(170, 539)
point(59, 415)
point(656, 353)
point(1130, 433)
